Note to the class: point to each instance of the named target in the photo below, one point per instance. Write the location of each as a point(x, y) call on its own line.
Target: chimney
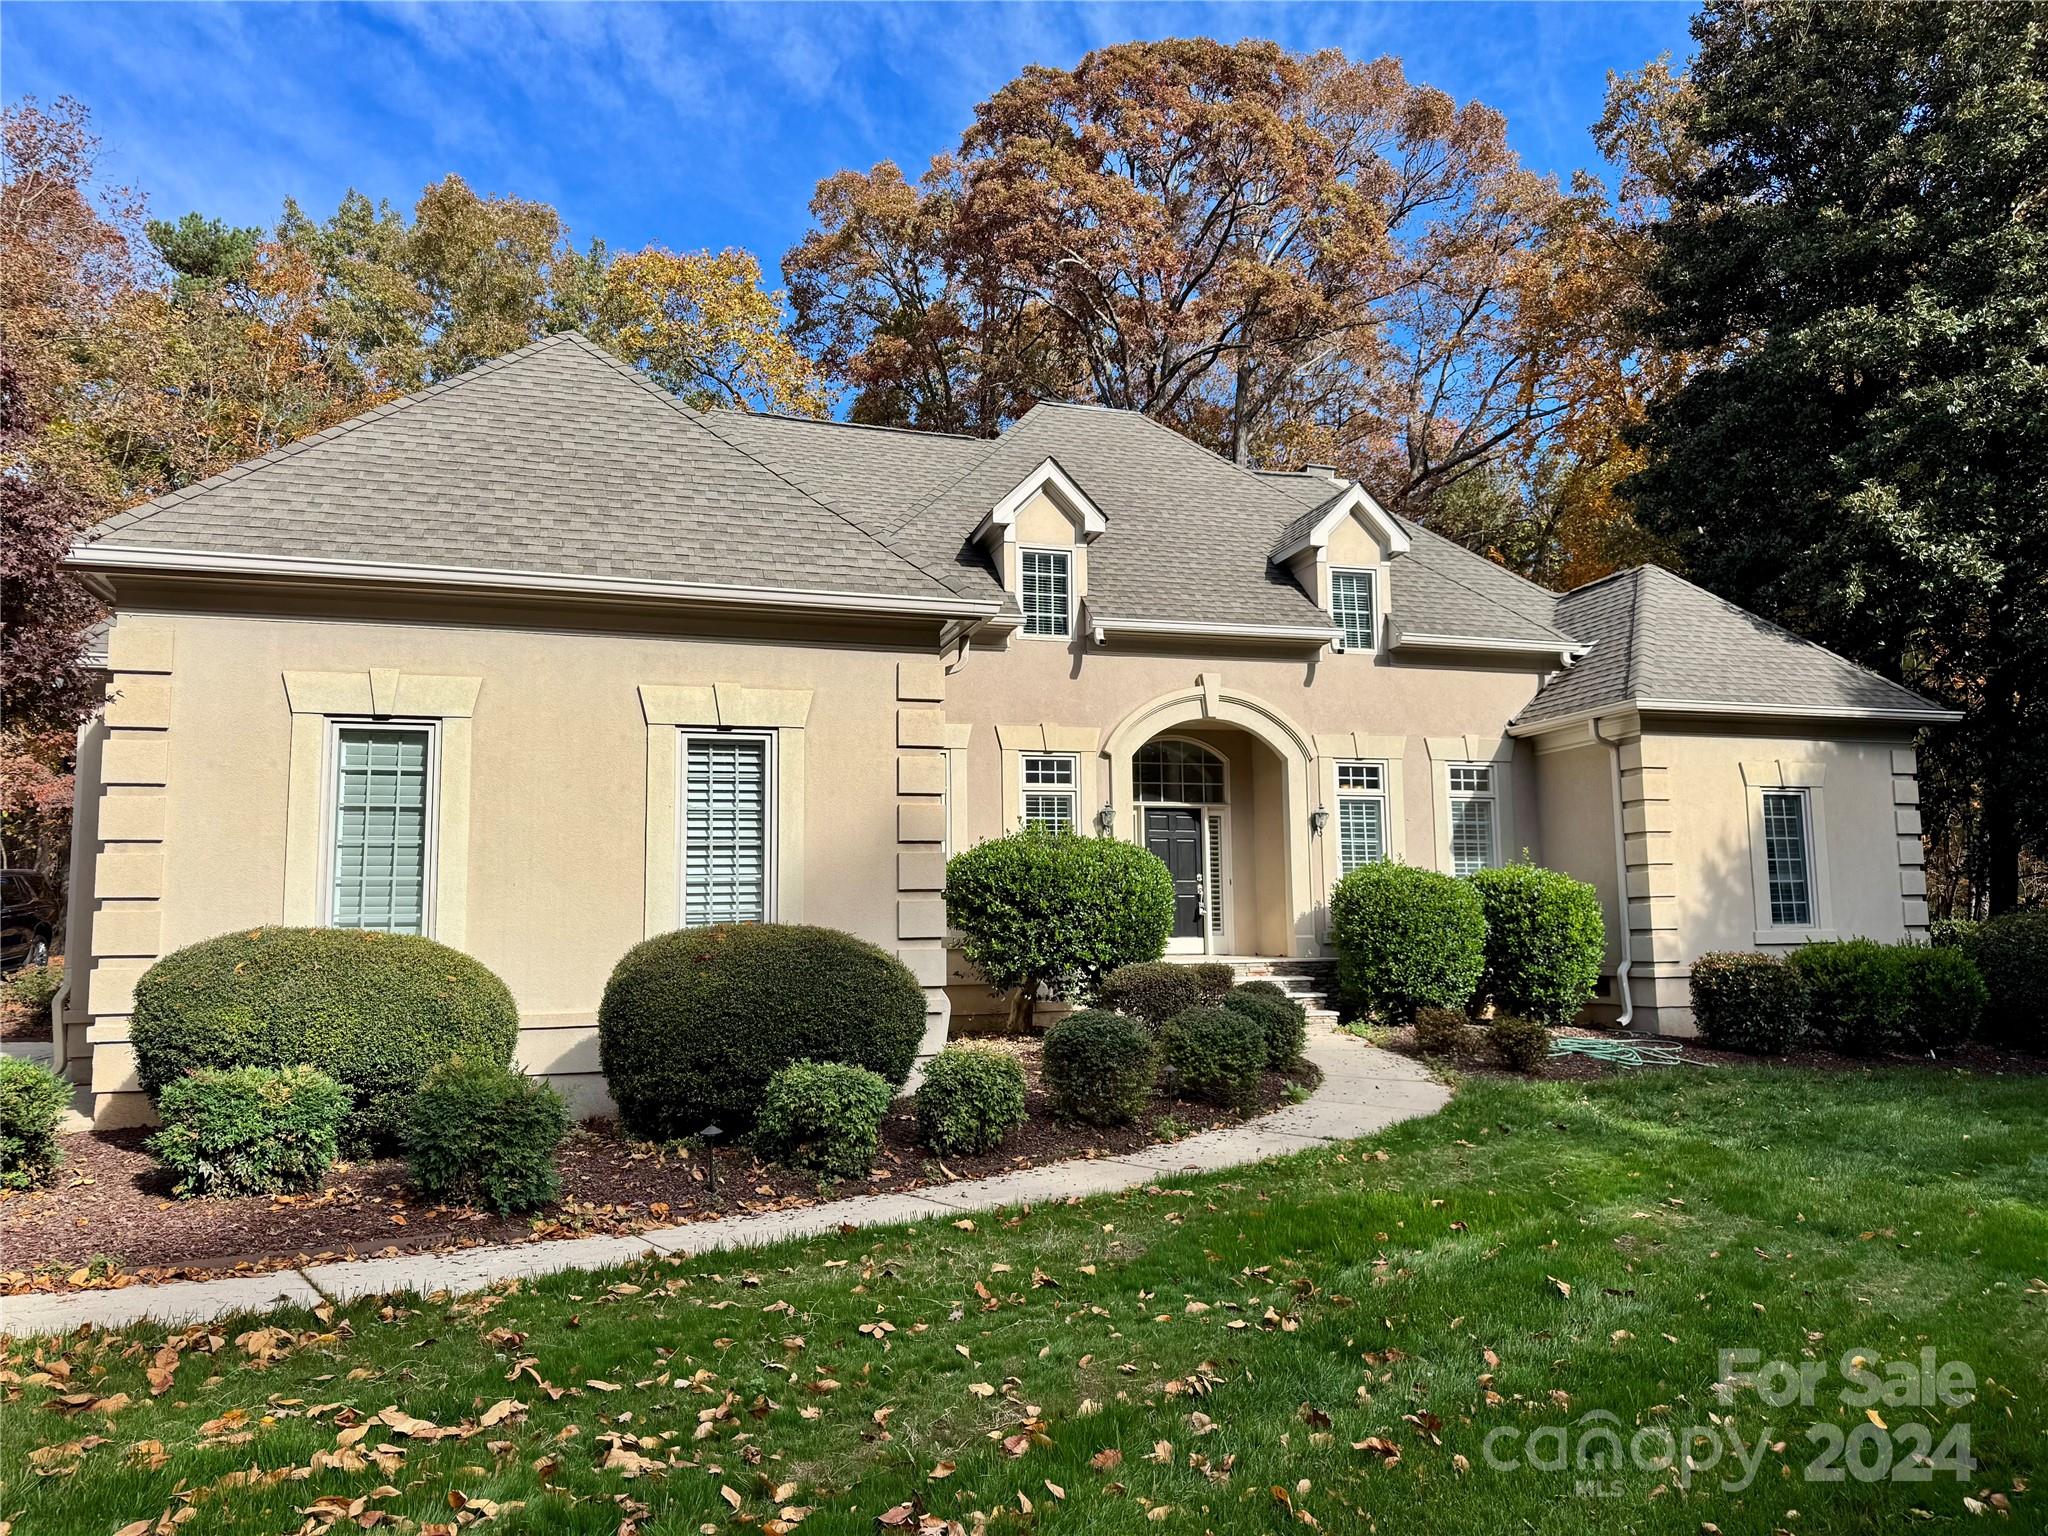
point(1327, 471)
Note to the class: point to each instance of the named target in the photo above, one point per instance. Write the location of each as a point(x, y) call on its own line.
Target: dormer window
point(1352, 605)
point(1045, 579)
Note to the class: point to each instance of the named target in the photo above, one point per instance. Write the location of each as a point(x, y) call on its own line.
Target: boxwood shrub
point(971, 1098)
point(375, 1011)
point(1215, 978)
point(1945, 997)
point(249, 1130)
point(1214, 1054)
point(1406, 938)
point(825, 1116)
point(2011, 954)
point(1099, 1067)
point(480, 1133)
point(1284, 1021)
point(1442, 1032)
point(1749, 1002)
point(1859, 994)
point(694, 1023)
point(1154, 991)
point(1544, 941)
point(1518, 1044)
point(32, 1100)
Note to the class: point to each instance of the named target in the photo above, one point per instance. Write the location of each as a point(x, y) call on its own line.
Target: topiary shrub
point(1214, 1054)
point(1544, 940)
point(1284, 1021)
point(825, 1116)
point(2011, 954)
point(1215, 979)
point(1053, 912)
point(1518, 1044)
point(1099, 1067)
point(1406, 939)
point(249, 1130)
point(375, 1011)
point(480, 1133)
point(32, 1100)
point(1749, 1002)
point(1442, 1032)
point(1154, 991)
point(693, 1024)
point(1859, 994)
point(1945, 997)
point(972, 1097)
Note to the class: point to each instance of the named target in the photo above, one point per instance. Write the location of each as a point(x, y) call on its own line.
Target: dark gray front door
point(1176, 836)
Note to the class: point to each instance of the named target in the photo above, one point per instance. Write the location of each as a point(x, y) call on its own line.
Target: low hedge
point(971, 1098)
point(694, 1024)
point(480, 1133)
point(825, 1116)
point(1945, 997)
point(1406, 938)
point(32, 1100)
point(1749, 1002)
point(1154, 991)
point(375, 1011)
point(249, 1130)
point(1544, 941)
point(1099, 1067)
point(1518, 1044)
point(1858, 992)
point(1215, 1054)
point(1284, 1022)
point(2011, 954)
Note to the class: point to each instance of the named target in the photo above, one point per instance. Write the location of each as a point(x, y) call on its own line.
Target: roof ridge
point(1635, 622)
point(142, 511)
point(1491, 602)
point(857, 426)
point(1548, 594)
point(994, 445)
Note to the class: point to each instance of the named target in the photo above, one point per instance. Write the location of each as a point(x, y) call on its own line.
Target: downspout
point(1621, 970)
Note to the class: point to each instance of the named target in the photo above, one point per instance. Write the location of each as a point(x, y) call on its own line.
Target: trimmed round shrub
point(1442, 1032)
point(1055, 912)
point(1099, 1067)
point(32, 1100)
point(485, 1135)
point(1518, 1044)
point(972, 1097)
point(1154, 991)
point(1544, 941)
point(2011, 954)
point(1215, 1054)
point(1264, 988)
point(249, 1130)
point(375, 1011)
point(1945, 997)
point(1214, 978)
point(1406, 938)
point(1749, 1002)
point(1859, 994)
point(694, 1023)
point(1284, 1022)
point(825, 1116)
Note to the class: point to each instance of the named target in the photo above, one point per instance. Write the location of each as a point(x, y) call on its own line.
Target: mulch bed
point(109, 1219)
point(1990, 1060)
point(18, 1023)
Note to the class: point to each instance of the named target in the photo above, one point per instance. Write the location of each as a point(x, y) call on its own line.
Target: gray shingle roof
point(1658, 639)
point(556, 459)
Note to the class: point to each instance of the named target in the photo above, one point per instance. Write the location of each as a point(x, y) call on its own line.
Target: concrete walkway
point(1363, 1090)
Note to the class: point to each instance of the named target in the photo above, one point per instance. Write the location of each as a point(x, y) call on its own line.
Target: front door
point(1176, 836)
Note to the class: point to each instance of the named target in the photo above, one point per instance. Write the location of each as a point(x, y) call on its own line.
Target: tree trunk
point(1240, 425)
point(2001, 852)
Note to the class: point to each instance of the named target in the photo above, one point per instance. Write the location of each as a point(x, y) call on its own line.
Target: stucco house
point(539, 662)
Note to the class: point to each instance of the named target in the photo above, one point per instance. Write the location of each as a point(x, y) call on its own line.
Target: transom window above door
point(1177, 773)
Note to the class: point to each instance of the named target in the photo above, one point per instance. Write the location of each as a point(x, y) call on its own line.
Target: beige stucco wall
point(1575, 805)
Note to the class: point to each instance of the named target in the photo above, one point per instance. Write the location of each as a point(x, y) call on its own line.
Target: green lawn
point(1266, 1351)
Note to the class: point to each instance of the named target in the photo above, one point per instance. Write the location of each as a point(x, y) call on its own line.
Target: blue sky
point(691, 126)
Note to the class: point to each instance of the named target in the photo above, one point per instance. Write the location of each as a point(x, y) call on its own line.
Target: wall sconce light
point(1317, 820)
point(1105, 819)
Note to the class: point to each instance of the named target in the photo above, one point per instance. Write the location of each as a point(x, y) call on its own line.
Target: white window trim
point(1474, 751)
point(1383, 795)
point(1073, 589)
point(1809, 780)
point(1372, 587)
point(770, 817)
point(1490, 796)
point(330, 787)
point(1026, 789)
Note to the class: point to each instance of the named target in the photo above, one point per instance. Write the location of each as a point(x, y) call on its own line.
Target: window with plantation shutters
point(726, 829)
point(381, 826)
point(1472, 818)
point(1361, 815)
point(1051, 784)
point(1045, 579)
point(1351, 605)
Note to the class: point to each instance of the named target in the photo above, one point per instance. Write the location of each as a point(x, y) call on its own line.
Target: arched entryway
point(1180, 788)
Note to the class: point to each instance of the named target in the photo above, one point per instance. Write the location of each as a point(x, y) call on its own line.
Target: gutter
point(1621, 970)
point(1927, 716)
point(1565, 653)
point(1102, 628)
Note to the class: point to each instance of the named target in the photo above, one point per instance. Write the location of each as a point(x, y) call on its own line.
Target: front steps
point(1311, 983)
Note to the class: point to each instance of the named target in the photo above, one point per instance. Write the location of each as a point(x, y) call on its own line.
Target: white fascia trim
point(1356, 499)
point(1048, 477)
point(1103, 627)
point(1566, 653)
point(1745, 711)
point(105, 557)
